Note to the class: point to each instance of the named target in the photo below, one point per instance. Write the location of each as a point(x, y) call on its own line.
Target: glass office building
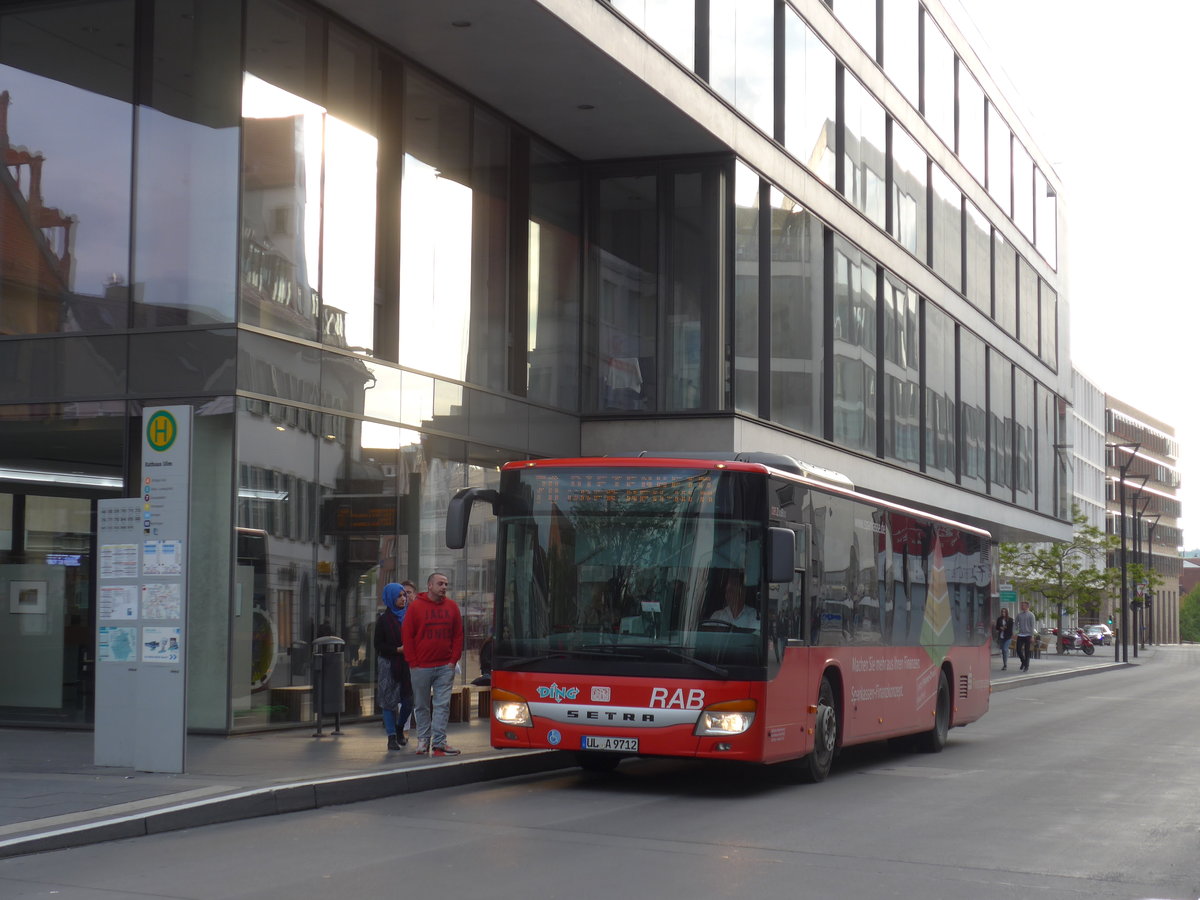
point(381, 248)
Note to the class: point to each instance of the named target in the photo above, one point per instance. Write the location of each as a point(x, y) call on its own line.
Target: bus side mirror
point(781, 555)
point(458, 515)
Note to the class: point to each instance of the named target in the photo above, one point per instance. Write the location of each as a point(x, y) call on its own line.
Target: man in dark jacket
point(433, 644)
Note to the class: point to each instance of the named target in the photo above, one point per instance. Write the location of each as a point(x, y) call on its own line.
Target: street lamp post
point(1121, 649)
point(1139, 505)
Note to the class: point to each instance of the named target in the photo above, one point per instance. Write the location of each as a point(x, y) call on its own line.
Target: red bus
point(753, 609)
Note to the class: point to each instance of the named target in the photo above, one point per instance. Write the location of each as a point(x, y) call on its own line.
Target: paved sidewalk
point(52, 796)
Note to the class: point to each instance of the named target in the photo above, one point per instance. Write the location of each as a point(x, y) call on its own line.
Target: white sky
point(1108, 93)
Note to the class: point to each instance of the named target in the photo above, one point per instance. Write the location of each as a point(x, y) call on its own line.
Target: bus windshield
point(641, 566)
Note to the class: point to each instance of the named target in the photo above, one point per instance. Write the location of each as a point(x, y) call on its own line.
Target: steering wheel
point(716, 625)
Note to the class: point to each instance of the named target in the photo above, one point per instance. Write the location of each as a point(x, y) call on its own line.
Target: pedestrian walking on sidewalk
point(393, 684)
point(1004, 633)
point(433, 644)
point(1025, 626)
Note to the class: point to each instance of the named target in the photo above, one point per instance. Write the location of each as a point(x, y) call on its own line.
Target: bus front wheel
point(816, 765)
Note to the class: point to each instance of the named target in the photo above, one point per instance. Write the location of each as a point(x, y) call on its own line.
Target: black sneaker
point(393, 743)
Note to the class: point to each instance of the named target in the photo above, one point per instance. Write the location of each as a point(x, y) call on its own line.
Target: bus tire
point(933, 740)
point(597, 761)
point(816, 765)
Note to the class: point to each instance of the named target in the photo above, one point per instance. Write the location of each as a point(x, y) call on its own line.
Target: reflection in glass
point(866, 152)
point(939, 394)
point(946, 247)
point(797, 315)
point(1023, 432)
point(686, 356)
point(973, 410)
point(554, 279)
point(1005, 309)
point(901, 24)
point(669, 23)
point(901, 373)
point(746, 288)
point(810, 113)
point(999, 161)
point(910, 178)
point(858, 17)
point(66, 129)
point(971, 130)
point(1000, 417)
point(979, 258)
point(741, 57)
point(1027, 304)
point(939, 81)
point(854, 364)
point(1046, 223)
point(1046, 455)
point(625, 289)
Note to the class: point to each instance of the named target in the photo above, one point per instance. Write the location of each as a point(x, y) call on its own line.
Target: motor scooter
point(1076, 641)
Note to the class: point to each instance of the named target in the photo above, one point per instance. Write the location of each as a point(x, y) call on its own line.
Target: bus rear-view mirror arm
point(458, 515)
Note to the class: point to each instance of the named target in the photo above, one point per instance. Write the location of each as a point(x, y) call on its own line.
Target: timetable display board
point(141, 619)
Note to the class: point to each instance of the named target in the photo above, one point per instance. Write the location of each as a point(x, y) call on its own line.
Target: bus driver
point(735, 611)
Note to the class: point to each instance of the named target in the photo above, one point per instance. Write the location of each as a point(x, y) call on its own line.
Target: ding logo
point(557, 694)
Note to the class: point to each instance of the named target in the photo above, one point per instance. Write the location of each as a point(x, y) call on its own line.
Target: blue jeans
point(1004, 651)
point(393, 723)
point(431, 695)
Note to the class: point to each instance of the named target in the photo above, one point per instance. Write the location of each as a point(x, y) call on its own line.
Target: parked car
point(1099, 634)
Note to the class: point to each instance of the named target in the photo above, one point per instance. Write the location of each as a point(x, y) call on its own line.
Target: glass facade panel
point(64, 266)
point(741, 57)
point(972, 399)
point(746, 289)
point(938, 86)
point(810, 98)
point(1023, 430)
point(1005, 309)
point(866, 152)
point(858, 17)
point(901, 57)
point(1046, 454)
point(1000, 426)
point(1048, 345)
point(625, 292)
point(1027, 304)
point(183, 362)
point(555, 248)
point(1022, 168)
point(940, 415)
point(901, 373)
point(669, 23)
point(797, 316)
point(971, 130)
point(686, 360)
point(63, 368)
point(999, 161)
point(946, 239)
point(185, 253)
point(979, 258)
point(854, 348)
point(1046, 211)
point(910, 192)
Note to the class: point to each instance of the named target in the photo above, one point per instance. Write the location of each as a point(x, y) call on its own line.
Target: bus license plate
point(623, 744)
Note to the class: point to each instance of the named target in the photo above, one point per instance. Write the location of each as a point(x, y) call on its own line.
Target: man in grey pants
point(1026, 625)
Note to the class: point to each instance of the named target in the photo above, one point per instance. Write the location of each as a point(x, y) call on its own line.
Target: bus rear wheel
point(933, 740)
point(816, 765)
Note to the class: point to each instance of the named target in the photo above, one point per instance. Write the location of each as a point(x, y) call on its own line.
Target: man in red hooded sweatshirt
point(433, 643)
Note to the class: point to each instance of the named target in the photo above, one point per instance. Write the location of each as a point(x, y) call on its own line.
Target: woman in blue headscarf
point(393, 684)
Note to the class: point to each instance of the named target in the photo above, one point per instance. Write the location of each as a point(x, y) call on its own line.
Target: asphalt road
point(1086, 787)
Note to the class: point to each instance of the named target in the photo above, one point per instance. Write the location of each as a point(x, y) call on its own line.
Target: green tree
point(1070, 576)
point(1189, 616)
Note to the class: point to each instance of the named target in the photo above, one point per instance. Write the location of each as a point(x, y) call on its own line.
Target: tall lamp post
point(1123, 644)
point(1140, 502)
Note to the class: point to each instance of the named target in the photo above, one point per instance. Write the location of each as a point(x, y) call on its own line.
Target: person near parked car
point(1025, 627)
point(1004, 633)
point(433, 645)
point(393, 683)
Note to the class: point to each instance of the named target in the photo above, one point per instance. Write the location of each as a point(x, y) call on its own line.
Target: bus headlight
point(510, 709)
point(732, 717)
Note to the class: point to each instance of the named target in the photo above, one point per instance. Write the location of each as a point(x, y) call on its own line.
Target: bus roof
point(750, 462)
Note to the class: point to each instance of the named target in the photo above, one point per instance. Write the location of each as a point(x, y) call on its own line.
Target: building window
point(854, 348)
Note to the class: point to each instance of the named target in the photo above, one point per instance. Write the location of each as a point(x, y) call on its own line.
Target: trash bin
point(328, 679)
